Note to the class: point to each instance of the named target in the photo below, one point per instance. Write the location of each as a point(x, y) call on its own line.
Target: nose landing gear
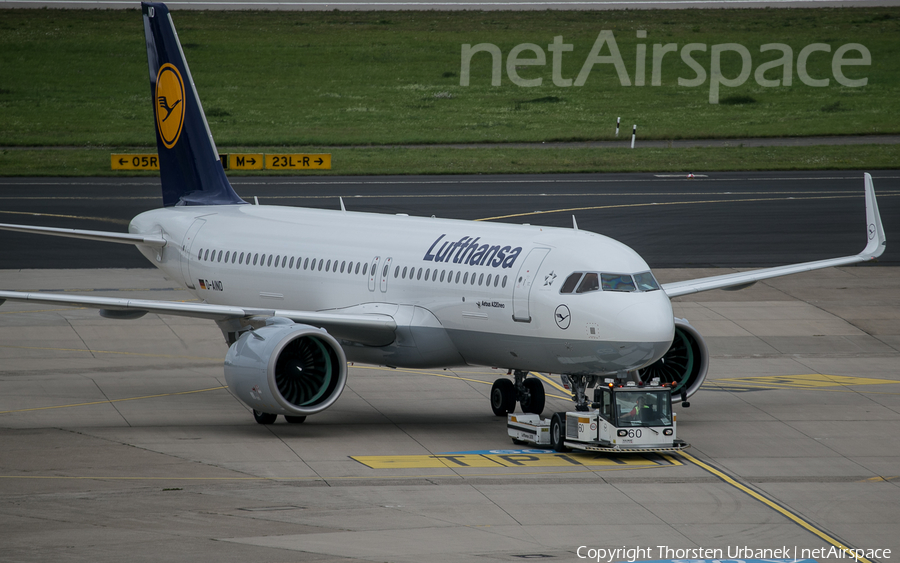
point(529, 393)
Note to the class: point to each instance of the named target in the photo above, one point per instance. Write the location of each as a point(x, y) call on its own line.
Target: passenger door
point(524, 281)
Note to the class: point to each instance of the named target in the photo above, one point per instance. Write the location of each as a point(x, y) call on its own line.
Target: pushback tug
point(624, 418)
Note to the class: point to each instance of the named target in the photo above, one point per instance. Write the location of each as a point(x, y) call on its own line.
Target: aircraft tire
point(295, 419)
point(264, 417)
point(536, 400)
point(503, 397)
point(558, 432)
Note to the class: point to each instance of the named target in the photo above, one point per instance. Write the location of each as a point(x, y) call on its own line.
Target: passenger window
point(269, 263)
point(255, 259)
point(571, 283)
point(321, 263)
point(306, 263)
point(234, 257)
point(241, 259)
point(504, 281)
point(365, 268)
point(419, 276)
point(206, 257)
point(298, 262)
point(466, 278)
point(496, 280)
point(590, 282)
point(616, 282)
point(344, 263)
point(291, 264)
point(457, 277)
point(200, 256)
point(284, 261)
point(277, 259)
point(404, 272)
point(327, 265)
point(443, 273)
point(384, 271)
point(357, 268)
point(480, 279)
point(488, 283)
point(227, 254)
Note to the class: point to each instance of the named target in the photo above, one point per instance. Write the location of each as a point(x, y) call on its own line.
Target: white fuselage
point(462, 292)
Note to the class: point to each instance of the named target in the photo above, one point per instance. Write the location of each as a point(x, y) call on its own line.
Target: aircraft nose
point(650, 320)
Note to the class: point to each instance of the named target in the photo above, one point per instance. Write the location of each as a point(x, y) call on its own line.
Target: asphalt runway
point(721, 219)
point(118, 441)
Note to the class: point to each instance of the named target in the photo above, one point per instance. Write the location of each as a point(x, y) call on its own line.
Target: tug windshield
point(644, 408)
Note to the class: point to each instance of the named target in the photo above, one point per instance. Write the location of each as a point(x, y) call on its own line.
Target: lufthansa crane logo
point(563, 317)
point(169, 104)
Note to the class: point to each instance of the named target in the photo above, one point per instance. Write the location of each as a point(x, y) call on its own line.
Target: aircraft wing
point(370, 329)
point(874, 248)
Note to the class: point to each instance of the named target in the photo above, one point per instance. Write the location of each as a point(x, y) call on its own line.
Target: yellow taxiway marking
point(650, 204)
point(807, 381)
point(116, 400)
point(507, 460)
point(553, 384)
point(790, 515)
point(143, 354)
point(460, 378)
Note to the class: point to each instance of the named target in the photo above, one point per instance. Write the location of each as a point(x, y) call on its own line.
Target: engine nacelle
point(288, 369)
point(685, 363)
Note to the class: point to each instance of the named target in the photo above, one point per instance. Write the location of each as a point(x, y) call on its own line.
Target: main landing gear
point(529, 393)
point(269, 418)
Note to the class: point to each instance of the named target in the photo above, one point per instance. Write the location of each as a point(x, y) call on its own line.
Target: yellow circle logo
point(169, 104)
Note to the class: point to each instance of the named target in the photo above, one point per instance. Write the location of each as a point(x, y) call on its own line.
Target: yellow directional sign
point(134, 162)
point(298, 162)
point(249, 161)
point(253, 161)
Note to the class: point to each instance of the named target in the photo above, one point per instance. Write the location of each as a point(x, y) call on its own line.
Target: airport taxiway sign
point(250, 161)
point(134, 162)
point(298, 162)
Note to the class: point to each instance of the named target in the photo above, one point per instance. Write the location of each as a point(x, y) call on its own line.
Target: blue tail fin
point(189, 165)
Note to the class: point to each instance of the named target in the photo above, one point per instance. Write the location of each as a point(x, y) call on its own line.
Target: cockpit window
point(646, 282)
point(571, 282)
point(594, 281)
point(617, 282)
point(588, 283)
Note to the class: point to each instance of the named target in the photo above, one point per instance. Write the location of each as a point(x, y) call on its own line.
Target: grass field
point(79, 78)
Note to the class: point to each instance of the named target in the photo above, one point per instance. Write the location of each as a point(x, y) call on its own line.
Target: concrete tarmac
point(119, 441)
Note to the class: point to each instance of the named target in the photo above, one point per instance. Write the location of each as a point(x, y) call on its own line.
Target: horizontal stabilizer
point(102, 236)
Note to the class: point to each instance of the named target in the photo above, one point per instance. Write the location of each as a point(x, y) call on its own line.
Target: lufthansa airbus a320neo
point(300, 292)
